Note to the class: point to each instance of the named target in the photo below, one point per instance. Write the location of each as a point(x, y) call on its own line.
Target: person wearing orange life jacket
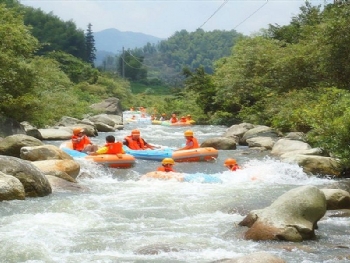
point(231, 164)
point(111, 147)
point(183, 119)
point(135, 142)
point(167, 165)
point(191, 142)
point(173, 118)
point(81, 142)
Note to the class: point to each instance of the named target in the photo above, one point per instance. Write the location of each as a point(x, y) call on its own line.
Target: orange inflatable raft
point(204, 154)
point(163, 176)
point(109, 160)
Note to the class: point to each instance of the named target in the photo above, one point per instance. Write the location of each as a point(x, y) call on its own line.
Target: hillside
point(113, 40)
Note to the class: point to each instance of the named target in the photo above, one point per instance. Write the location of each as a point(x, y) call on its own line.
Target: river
point(122, 219)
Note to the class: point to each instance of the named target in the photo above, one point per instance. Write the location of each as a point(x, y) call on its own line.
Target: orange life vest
point(195, 143)
point(114, 148)
point(135, 144)
point(79, 146)
point(165, 169)
point(173, 120)
point(234, 167)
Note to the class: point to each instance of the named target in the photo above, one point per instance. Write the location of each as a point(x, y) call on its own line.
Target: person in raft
point(231, 164)
point(167, 165)
point(183, 119)
point(81, 142)
point(191, 142)
point(111, 147)
point(163, 117)
point(135, 142)
point(173, 118)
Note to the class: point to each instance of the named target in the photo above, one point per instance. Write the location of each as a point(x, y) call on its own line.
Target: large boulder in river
point(109, 106)
point(257, 257)
point(33, 180)
point(220, 143)
point(70, 167)
point(238, 130)
point(11, 145)
point(44, 152)
point(10, 188)
point(287, 145)
point(55, 134)
point(337, 199)
point(292, 217)
point(9, 127)
point(259, 131)
point(314, 164)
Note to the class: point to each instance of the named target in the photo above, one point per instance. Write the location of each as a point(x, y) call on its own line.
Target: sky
point(162, 18)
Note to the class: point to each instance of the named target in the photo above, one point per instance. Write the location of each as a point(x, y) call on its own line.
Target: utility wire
point(266, 1)
point(217, 10)
point(224, 3)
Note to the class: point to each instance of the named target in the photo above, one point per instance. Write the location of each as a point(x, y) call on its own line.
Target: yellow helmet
point(168, 161)
point(188, 133)
point(135, 132)
point(230, 161)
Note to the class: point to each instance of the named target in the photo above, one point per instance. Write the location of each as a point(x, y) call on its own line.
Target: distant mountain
point(113, 40)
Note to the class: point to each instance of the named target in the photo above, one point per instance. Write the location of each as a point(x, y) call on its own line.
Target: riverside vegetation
point(293, 78)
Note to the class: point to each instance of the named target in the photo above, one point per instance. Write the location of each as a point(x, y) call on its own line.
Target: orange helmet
point(230, 161)
point(76, 131)
point(135, 132)
point(168, 161)
point(188, 133)
point(183, 117)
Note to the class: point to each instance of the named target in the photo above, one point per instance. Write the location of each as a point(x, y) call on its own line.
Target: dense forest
point(293, 77)
point(166, 60)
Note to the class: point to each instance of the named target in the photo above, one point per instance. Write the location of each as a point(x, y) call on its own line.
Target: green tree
point(131, 66)
point(17, 76)
point(202, 87)
point(55, 34)
point(76, 69)
point(90, 45)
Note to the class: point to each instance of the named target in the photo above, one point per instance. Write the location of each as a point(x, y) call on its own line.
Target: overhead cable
point(217, 10)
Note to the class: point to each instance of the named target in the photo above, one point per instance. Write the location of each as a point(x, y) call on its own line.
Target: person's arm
point(102, 150)
point(188, 146)
point(148, 145)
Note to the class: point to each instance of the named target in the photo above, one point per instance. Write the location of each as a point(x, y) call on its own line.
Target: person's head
point(78, 131)
point(188, 116)
point(229, 163)
point(188, 133)
point(173, 115)
point(110, 138)
point(183, 118)
point(168, 162)
point(135, 134)
point(163, 114)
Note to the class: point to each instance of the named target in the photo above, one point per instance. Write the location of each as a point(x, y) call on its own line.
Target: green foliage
point(76, 69)
point(166, 60)
point(203, 89)
point(131, 66)
point(16, 74)
point(55, 34)
point(90, 45)
point(148, 88)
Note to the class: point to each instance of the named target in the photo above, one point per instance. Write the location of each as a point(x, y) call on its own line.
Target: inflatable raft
point(180, 177)
point(204, 154)
point(168, 123)
point(108, 160)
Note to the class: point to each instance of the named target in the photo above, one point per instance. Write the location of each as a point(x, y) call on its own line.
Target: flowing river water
point(119, 218)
